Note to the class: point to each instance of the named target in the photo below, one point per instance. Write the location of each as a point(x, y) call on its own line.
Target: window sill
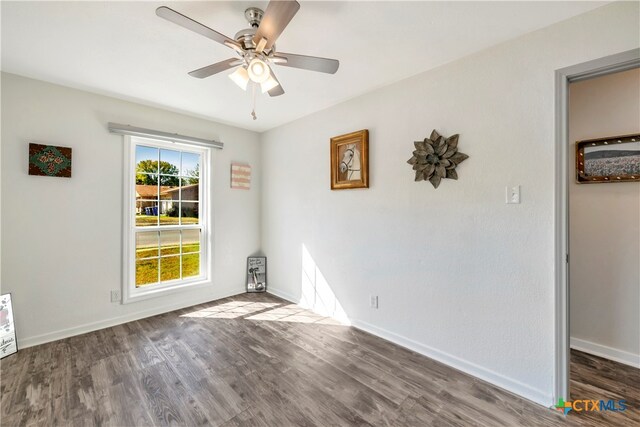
point(141, 295)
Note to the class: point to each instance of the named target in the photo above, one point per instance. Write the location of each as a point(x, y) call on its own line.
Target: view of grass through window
point(167, 195)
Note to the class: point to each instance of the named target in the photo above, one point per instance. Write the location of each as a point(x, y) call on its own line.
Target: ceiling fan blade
point(276, 91)
point(188, 23)
point(313, 63)
point(275, 20)
point(212, 69)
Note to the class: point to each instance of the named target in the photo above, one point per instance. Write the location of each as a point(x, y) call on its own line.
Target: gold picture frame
point(611, 159)
point(350, 160)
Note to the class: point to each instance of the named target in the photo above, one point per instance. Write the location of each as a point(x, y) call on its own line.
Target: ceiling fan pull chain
point(253, 112)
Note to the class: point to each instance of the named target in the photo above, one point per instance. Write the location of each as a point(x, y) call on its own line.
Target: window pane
point(146, 272)
point(147, 179)
point(147, 244)
point(146, 213)
point(146, 159)
point(169, 211)
point(169, 196)
point(169, 268)
point(190, 165)
point(169, 162)
point(190, 265)
point(190, 241)
point(170, 242)
point(190, 189)
point(190, 213)
point(169, 187)
point(169, 181)
point(147, 187)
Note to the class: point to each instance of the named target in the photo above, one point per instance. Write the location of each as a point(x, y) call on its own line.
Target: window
point(165, 217)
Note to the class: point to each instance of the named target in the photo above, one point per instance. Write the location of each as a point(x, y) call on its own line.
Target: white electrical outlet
point(115, 296)
point(373, 301)
point(513, 195)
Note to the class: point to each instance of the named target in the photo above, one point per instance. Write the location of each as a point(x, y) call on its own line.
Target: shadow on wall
point(316, 293)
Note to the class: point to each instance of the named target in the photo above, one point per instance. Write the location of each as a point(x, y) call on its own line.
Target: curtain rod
point(165, 136)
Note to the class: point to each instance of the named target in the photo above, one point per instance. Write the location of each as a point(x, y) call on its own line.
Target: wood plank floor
point(596, 378)
point(257, 360)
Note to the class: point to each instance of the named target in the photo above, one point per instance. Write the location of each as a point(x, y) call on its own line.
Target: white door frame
point(610, 64)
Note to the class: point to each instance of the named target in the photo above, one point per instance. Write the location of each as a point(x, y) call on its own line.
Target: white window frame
point(129, 291)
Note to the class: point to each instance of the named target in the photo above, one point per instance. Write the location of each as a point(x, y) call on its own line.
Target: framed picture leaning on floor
point(257, 274)
point(8, 343)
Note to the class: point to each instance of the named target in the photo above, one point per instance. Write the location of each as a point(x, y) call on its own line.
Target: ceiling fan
point(255, 47)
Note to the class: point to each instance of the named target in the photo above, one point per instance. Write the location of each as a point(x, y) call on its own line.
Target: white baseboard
point(509, 384)
point(113, 321)
point(610, 353)
point(495, 378)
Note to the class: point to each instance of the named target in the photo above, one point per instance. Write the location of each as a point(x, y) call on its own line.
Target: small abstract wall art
point(240, 176)
point(436, 158)
point(8, 343)
point(49, 160)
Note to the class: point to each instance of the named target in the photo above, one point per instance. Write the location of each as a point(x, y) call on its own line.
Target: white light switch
point(513, 194)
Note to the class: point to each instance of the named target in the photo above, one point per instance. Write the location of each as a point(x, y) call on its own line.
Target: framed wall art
point(240, 176)
point(8, 343)
point(611, 159)
point(350, 160)
point(49, 160)
point(257, 274)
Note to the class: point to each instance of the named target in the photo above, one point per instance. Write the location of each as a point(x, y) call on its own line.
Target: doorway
point(604, 242)
point(565, 177)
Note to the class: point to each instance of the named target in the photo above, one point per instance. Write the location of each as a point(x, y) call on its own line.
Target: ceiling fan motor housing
point(245, 38)
point(254, 16)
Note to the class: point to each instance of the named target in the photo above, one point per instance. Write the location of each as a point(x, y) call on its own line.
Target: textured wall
point(61, 238)
point(460, 275)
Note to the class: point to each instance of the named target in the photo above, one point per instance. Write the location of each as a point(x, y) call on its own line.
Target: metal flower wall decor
point(436, 157)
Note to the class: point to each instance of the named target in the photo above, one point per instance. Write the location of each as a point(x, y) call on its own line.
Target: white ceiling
point(124, 50)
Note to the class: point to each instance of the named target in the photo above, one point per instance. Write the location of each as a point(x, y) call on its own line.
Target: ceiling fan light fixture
point(258, 71)
point(240, 77)
point(255, 47)
point(269, 84)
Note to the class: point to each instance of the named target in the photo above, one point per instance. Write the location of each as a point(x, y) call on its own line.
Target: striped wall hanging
point(240, 176)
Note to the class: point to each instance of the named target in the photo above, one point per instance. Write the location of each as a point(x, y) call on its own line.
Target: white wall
point(605, 225)
point(61, 240)
point(460, 275)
